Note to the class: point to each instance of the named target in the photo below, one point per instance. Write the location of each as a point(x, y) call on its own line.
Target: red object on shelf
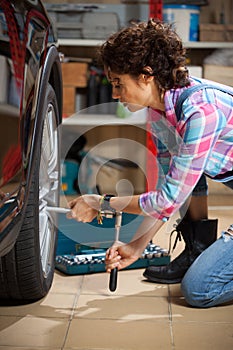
point(155, 11)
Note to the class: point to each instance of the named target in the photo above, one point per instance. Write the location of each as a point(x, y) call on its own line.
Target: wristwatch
point(105, 203)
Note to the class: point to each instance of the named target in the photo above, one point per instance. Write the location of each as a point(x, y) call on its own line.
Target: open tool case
point(81, 247)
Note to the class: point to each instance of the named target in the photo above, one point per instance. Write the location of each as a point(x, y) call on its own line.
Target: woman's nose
point(115, 93)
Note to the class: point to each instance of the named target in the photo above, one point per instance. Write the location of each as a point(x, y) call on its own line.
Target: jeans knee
point(187, 293)
point(193, 297)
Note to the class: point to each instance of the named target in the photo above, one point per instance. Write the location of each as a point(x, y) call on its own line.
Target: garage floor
point(80, 313)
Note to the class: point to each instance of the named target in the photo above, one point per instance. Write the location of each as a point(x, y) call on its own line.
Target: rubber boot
point(198, 235)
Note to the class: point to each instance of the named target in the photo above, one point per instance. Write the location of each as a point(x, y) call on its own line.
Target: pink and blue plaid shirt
point(201, 141)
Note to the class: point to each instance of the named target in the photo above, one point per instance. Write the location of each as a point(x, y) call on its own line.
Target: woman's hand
point(84, 208)
point(120, 255)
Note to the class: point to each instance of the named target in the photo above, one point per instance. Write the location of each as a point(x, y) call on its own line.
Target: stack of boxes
point(75, 75)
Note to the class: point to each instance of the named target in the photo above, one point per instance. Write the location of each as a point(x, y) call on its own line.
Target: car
point(30, 116)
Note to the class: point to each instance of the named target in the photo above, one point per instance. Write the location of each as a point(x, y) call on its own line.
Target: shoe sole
point(162, 281)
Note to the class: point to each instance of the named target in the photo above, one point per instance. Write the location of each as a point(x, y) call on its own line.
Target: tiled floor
point(80, 313)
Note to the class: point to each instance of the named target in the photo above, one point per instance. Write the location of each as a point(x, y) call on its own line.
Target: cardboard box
point(74, 74)
point(69, 97)
point(215, 32)
point(220, 74)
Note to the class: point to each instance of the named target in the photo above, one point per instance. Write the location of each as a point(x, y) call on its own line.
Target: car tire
point(27, 271)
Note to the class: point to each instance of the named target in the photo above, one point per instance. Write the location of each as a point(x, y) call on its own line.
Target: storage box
point(184, 18)
point(75, 74)
point(195, 71)
point(215, 32)
point(98, 25)
point(220, 74)
point(69, 98)
point(80, 22)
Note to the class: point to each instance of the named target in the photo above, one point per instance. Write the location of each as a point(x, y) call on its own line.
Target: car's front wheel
point(27, 271)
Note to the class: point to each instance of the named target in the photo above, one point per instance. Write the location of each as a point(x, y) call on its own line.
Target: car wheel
point(27, 271)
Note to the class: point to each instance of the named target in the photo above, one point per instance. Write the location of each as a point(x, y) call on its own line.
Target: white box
point(220, 74)
point(4, 79)
point(195, 71)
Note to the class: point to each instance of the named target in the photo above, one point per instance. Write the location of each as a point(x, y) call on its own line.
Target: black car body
point(30, 114)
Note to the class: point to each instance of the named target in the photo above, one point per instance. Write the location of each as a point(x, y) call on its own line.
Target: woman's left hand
point(120, 255)
point(84, 208)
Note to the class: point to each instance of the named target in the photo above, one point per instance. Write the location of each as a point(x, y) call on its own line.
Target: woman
point(145, 64)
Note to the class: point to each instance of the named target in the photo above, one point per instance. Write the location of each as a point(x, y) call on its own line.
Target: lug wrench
point(58, 210)
point(118, 221)
point(114, 272)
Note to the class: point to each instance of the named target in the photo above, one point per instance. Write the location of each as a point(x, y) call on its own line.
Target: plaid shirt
point(201, 141)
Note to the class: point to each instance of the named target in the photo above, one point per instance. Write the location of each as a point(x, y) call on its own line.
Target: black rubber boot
point(198, 235)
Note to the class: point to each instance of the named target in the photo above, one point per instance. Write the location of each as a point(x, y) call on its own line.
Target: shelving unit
point(190, 44)
point(81, 119)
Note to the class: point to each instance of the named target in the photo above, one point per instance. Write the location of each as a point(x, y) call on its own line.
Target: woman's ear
point(147, 78)
point(147, 74)
point(148, 70)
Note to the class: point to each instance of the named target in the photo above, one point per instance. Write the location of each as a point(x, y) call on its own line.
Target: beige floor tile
point(63, 283)
point(122, 308)
point(218, 189)
point(214, 314)
point(129, 282)
point(225, 218)
point(118, 335)
point(174, 290)
point(96, 283)
point(28, 348)
point(132, 282)
point(53, 305)
point(32, 332)
point(202, 336)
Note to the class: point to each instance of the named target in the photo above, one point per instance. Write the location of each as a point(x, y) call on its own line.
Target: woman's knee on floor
point(193, 296)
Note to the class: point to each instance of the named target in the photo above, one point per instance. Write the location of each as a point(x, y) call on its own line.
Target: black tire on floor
point(22, 273)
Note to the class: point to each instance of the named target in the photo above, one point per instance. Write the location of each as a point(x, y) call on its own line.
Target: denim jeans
point(209, 280)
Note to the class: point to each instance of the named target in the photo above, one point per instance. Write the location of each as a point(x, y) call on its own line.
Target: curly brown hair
point(154, 44)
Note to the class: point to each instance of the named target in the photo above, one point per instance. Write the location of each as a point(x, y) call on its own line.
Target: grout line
point(170, 318)
point(72, 314)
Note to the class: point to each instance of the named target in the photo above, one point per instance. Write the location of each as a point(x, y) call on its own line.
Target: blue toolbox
point(82, 246)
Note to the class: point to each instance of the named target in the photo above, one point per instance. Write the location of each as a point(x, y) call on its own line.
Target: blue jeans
point(209, 280)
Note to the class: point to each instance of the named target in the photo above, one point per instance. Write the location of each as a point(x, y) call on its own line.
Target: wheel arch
point(51, 74)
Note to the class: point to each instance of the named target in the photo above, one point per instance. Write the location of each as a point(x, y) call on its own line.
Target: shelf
point(209, 45)
point(137, 118)
point(9, 110)
point(190, 44)
point(79, 42)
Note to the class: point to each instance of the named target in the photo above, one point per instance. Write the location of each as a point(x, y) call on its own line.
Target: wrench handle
point(113, 279)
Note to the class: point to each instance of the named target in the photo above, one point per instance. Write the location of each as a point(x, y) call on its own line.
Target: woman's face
point(134, 93)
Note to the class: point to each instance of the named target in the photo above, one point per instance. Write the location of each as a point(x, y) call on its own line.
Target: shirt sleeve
point(198, 132)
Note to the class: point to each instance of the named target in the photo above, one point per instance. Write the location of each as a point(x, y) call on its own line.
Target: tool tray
point(75, 258)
